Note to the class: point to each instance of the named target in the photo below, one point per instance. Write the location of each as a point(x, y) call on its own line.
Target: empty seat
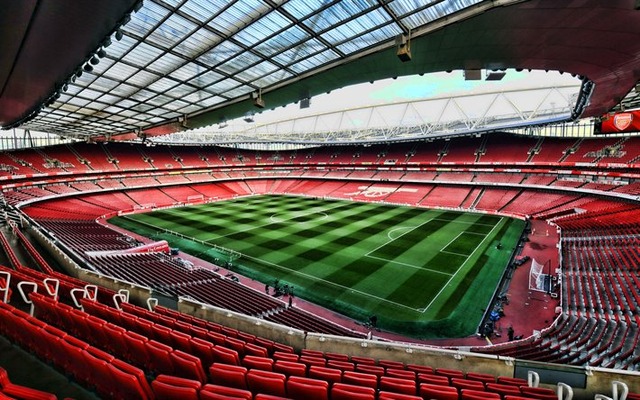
point(360, 379)
point(506, 380)
point(438, 392)
point(263, 396)
point(462, 383)
point(279, 355)
point(203, 350)
point(485, 378)
point(449, 373)
point(225, 356)
point(266, 382)
point(166, 391)
point(255, 350)
point(391, 364)
point(331, 375)
point(343, 365)
point(539, 393)
point(310, 360)
point(290, 368)
point(159, 357)
point(256, 362)
point(503, 389)
point(469, 394)
point(342, 391)
point(401, 373)
point(397, 396)
point(433, 379)
point(187, 366)
point(228, 375)
point(217, 392)
point(397, 385)
point(307, 388)
point(370, 369)
point(12, 390)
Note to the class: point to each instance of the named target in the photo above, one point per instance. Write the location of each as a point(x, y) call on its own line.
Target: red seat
point(391, 364)
point(181, 341)
point(363, 360)
point(420, 369)
point(317, 361)
point(235, 344)
point(99, 375)
point(401, 373)
point(433, 379)
point(397, 385)
point(461, 383)
point(166, 391)
point(203, 350)
point(115, 339)
point(217, 392)
point(449, 373)
point(360, 379)
point(278, 355)
point(539, 393)
point(336, 356)
point(137, 352)
point(506, 380)
point(177, 381)
point(263, 396)
point(255, 350)
point(438, 392)
point(343, 365)
point(342, 391)
point(306, 388)
point(187, 366)
point(485, 378)
point(290, 368)
point(126, 385)
point(255, 362)
point(503, 389)
point(12, 390)
point(266, 382)
point(159, 357)
point(397, 396)
point(469, 394)
point(225, 356)
point(370, 369)
point(312, 353)
point(228, 375)
point(331, 375)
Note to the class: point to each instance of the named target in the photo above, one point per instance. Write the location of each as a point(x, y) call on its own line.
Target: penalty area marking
point(461, 265)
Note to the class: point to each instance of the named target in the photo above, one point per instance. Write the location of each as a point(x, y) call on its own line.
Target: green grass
point(423, 273)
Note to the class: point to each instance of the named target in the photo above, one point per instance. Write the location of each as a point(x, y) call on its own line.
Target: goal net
point(538, 280)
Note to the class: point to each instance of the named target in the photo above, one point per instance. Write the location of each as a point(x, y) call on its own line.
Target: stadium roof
point(183, 64)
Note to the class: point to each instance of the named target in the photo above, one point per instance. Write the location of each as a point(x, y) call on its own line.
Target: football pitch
point(424, 273)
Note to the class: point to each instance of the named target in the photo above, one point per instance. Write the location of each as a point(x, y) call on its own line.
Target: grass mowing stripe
point(458, 270)
point(323, 257)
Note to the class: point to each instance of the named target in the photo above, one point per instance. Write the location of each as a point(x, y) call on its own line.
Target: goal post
point(538, 280)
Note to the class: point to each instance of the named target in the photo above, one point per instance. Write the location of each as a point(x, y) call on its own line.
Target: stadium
point(183, 220)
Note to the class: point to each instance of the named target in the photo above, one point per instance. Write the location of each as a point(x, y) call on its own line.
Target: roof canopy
point(192, 63)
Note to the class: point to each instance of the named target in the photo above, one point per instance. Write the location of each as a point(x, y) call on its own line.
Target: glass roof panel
point(143, 78)
point(146, 18)
point(211, 101)
point(262, 28)
point(272, 78)
point(314, 61)
point(199, 42)
point(256, 71)
point(172, 31)
point(187, 71)
point(239, 63)
point(334, 15)
point(283, 41)
point(370, 39)
point(162, 85)
point(142, 54)
point(203, 10)
point(206, 79)
point(120, 71)
point(221, 52)
point(221, 87)
point(166, 64)
point(406, 10)
point(240, 14)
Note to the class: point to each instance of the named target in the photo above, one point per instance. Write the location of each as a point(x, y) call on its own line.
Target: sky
point(409, 88)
